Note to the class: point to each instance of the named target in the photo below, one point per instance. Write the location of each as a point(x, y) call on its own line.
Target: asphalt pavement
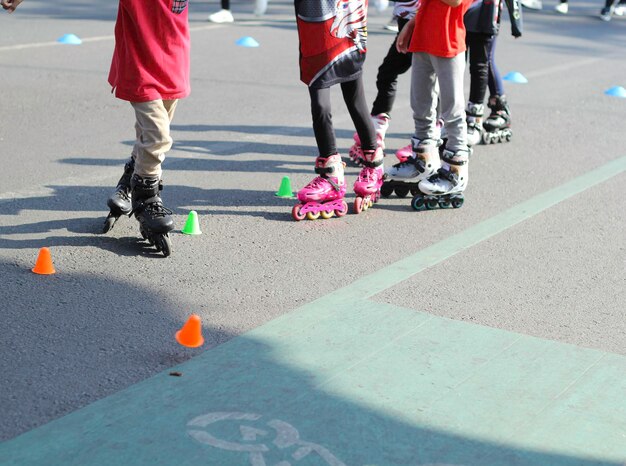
point(536, 253)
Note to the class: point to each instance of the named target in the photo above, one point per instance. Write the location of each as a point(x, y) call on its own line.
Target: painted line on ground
point(326, 346)
point(393, 274)
point(36, 45)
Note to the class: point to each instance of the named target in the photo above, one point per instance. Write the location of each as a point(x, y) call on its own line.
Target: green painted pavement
point(344, 380)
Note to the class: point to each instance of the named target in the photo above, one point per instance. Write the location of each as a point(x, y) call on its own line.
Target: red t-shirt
point(439, 29)
point(151, 57)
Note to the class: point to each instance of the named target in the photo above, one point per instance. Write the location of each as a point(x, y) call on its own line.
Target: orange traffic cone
point(44, 266)
point(191, 333)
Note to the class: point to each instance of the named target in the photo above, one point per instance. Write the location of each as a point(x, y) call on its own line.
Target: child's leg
point(478, 45)
point(450, 75)
point(394, 64)
point(153, 124)
point(424, 97)
point(445, 189)
point(153, 127)
point(370, 179)
point(324, 194)
point(496, 86)
point(323, 121)
point(499, 122)
point(354, 97)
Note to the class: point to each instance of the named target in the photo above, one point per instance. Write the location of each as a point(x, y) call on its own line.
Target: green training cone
point(192, 227)
point(285, 188)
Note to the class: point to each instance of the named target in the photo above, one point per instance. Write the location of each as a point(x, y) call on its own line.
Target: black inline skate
point(119, 203)
point(155, 221)
point(474, 117)
point(498, 125)
point(445, 189)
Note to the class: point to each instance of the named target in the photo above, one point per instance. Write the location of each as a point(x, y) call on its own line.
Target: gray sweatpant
point(426, 71)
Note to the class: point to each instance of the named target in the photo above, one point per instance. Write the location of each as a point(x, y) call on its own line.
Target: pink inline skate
point(367, 186)
point(381, 123)
point(404, 153)
point(324, 195)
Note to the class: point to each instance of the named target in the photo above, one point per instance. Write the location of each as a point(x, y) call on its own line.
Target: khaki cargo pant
point(152, 126)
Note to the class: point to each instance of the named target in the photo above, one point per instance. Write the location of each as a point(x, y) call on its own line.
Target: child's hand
point(404, 38)
point(10, 5)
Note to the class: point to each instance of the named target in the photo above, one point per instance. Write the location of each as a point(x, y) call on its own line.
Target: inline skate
point(381, 124)
point(370, 179)
point(120, 201)
point(405, 176)
point(155, 221)
point(498, 125)
point(445, 189)
point(404, 153)
point(324, 195)
point(474, 117)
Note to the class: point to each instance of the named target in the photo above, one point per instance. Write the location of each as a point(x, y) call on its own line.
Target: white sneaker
point(222, 16)
point(620, 10)
point(260, 7)
point(392, 25)
point(606, 13)
point(562, 8)
point(532, 4)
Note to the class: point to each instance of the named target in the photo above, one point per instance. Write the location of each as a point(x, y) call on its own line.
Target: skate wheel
point(143, 233)
point(432, 204)
point(445, 204)
point(358, 205)
point(312, 215)
point(386, 190)
point(343, 211)
point(164, 244)
point(418, 203)
point(296, 213)
point(370, 203)
point(108, 224)
point(458, 202)
point(402, 191)
point(326, 214)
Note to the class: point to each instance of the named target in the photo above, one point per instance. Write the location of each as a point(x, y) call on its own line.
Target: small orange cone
point(44, 266)
point(191, 333)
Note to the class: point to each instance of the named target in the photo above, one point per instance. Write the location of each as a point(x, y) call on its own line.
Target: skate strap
point(454, 161)
point(152, 204)
point(333, 184)
point(374, 164)
point(448, 175)
point(419, 164)
point(325, 170)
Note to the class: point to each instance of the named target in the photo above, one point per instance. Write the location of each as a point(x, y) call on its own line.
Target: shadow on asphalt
point(70, 339)
point(180, 199)
point(89, 348)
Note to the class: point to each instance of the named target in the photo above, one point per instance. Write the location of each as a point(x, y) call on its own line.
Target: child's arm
point(515, 15)
point(10, 5)
point(402, 43)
